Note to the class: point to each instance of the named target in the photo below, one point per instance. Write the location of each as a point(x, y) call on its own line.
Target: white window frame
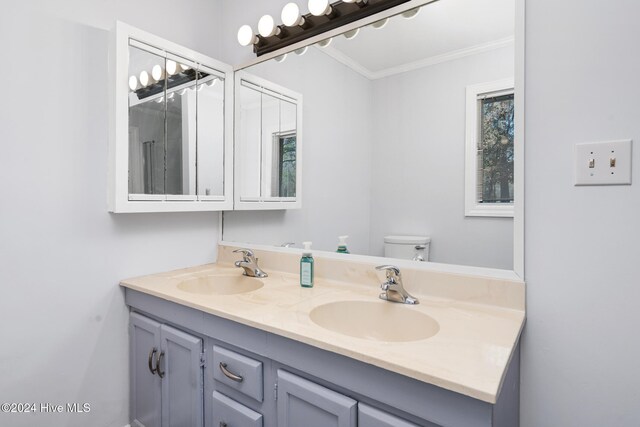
point(474, 94)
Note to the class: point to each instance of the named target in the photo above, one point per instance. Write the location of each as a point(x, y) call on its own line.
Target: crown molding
point(415, 65)
point(348, 61)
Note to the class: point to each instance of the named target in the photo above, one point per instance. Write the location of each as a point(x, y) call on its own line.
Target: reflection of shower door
point(147, 166)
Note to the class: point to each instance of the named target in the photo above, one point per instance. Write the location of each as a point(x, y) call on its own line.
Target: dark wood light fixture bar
point(343, 14)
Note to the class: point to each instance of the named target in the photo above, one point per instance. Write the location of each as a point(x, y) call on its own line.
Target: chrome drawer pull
point(229, 374)
point(150, 362)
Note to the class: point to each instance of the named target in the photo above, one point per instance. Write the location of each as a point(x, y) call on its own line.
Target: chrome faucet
point(393, 289)
point(249, 263)
point(419, 256)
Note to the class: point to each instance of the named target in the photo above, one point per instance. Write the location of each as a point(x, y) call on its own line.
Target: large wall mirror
point(410, 142)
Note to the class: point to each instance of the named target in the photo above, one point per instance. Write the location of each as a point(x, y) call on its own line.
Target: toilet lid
point(407, 240)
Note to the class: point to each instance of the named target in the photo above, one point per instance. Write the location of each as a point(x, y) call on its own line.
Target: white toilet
point(407, 247)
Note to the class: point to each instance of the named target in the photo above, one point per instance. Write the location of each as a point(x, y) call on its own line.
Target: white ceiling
point(442, 30)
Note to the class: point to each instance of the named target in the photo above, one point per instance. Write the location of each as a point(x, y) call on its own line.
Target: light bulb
point(351, 34)
point(411, 13)
point(380, 24)
point(267, 26)
point(320, 7)
point(185, 67)
point(291, 15)
point(246, 36)
point(280, 58)
point(325, 42)
point(157, 73)
point(172, 67)
point(301, 51)
point(133, 83)
point(146, 79)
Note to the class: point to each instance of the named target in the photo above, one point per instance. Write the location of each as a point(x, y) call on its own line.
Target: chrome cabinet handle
point(150, 362)
point(229, 374)
point(158, 361)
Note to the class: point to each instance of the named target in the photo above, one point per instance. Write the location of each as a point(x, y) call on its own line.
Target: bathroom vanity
point(210, 347)
point(387, 138)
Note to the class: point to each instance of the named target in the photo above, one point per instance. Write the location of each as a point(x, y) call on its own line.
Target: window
point(284, 184)
point(489, 149)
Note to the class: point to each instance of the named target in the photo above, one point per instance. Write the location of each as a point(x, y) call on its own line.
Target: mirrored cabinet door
point(210, 125)
point(181, 78)
point(285, 149)
point(268, 160)
point(270, 131)
point(147, 132)
point(171, 146)
point(248, 136)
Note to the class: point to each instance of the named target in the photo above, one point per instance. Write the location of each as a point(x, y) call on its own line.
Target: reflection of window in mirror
point(490, 137)
point(495, 149)
point(284, 181)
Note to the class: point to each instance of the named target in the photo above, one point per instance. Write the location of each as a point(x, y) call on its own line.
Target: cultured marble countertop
point(469, 354)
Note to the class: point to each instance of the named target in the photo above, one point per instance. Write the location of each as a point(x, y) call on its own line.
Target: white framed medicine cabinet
point(171, 126)
point(268, 145)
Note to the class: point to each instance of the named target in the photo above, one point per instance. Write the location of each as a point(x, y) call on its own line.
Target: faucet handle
point(247, 253)
point(391, 270)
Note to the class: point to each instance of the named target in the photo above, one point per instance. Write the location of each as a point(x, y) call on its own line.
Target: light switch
point(603, 163)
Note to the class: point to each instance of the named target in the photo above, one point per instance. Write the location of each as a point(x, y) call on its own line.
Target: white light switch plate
point(603, 163)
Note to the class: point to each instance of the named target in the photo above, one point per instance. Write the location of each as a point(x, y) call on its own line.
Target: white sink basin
point(220, 285)
point(376, 321)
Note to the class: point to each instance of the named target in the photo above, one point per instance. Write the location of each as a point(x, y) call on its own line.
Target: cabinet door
point(372, 417)
point(144, 334)
point(182, 382)
point(304, 403)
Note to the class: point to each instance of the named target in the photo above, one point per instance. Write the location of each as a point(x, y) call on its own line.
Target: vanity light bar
point(149, 85)
point(324, 16)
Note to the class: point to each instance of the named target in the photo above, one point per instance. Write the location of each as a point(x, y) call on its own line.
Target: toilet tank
point(404, 247)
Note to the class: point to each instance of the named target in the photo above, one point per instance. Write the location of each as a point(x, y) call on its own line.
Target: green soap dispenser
point(342, 245)
point(306, 266)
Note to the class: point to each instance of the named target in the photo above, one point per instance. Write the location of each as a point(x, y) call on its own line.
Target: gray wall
point(581, 348)
point(417, 175)
point(63, 327)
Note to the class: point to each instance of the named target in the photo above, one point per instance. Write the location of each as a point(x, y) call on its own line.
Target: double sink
point(374, 320)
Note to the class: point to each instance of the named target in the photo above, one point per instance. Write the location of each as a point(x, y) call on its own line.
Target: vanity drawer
point(371, 417)
point(229, 413)
point(238, 371)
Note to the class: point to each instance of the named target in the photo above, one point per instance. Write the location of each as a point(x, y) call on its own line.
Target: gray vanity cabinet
point(254, 378)
point(166, 375)
point(304, 403)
